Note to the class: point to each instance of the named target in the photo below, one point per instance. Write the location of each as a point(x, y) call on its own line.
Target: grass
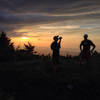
point(38, 79)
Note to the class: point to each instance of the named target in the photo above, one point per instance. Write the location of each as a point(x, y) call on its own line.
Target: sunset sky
point(37, 21)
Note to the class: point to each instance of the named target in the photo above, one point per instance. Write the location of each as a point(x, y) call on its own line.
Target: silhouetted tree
point(29, 48)
point(6, 47)
point(27, 53)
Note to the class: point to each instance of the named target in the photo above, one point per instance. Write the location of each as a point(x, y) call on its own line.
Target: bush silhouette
point(29, 48)
point(27, 53)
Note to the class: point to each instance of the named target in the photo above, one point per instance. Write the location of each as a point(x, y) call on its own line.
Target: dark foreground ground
point(33, 80)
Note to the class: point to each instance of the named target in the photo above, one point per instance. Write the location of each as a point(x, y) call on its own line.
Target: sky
point(37, 21)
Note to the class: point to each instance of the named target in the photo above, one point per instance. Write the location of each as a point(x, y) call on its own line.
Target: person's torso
point(55, 46)
point(86, 45)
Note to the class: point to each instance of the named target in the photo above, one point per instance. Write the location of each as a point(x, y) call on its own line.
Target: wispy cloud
point(60, 27)
point(16, 14)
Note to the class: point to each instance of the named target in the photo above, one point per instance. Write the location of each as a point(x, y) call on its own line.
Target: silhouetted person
point(55, 47)
point(86, 49)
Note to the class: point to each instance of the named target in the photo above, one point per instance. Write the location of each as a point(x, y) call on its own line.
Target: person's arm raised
point(60, 40)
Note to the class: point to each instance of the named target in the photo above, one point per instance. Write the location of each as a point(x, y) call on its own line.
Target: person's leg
point(80, 62)
point(57, 59)
point(88, 57)
point(80, 59)
point(53, 59)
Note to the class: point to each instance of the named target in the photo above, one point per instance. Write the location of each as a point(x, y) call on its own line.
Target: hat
point(55, 37)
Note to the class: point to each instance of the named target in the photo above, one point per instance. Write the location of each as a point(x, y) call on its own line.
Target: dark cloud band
point(18, 13)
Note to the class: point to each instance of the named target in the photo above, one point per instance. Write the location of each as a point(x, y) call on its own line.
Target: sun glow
point(24, 38)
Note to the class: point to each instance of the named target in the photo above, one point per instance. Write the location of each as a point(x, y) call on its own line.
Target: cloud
point(48, 6)
point(60, 27)
point(15, 14)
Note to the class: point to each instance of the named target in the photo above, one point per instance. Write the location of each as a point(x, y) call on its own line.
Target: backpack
point(52, 46)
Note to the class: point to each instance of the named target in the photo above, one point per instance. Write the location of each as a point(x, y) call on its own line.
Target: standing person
point(85, 48)
point(55, 47)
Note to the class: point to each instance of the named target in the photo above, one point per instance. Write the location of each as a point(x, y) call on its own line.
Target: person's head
point(85, 36)
point(55, 38)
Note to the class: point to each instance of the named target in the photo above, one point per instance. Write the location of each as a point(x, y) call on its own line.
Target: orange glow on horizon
point(24, 38)
point(20, 41)
point(70, 43)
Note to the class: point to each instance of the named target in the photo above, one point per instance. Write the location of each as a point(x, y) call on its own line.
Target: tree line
point(8, 52)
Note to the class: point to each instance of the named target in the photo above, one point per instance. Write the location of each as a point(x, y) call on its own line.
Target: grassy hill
point(40, 79)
